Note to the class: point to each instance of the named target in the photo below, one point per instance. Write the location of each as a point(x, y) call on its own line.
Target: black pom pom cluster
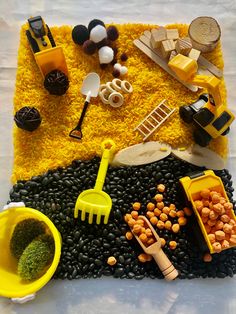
point(95, 37)
point(86, 247)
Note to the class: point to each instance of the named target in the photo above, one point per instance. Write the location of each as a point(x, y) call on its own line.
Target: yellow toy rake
point(95, 201)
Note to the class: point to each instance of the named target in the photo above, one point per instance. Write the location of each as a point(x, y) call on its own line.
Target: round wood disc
point(200, 156)
point(205, 33)
point(141, 154)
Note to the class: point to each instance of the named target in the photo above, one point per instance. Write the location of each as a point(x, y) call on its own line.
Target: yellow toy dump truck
point(211, 117)
point(213, 211)
point(49, 57)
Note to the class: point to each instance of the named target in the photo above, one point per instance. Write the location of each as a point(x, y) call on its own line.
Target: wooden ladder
point(154, 119)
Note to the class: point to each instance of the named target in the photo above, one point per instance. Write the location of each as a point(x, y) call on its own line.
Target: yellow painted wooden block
point(172, 33)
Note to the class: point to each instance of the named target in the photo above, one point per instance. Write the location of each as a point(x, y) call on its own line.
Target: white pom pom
point(105, 54)
point(98, 33)
point(123, 70)
point(117, 66)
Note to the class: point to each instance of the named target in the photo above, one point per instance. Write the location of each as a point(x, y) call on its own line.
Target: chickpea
point(207, 258)
point(150, 214)
point(172, 245)
point(205, 203)
point(111, 260)
point(172, 213)
point(225, 218)
point(205, 193)
point(158, 197)
point(219, 225)
point(232, 239)
point(182, 221)
point(204, 219)
point(136, 206)
point(163, 242)
point(216, 247)
point(153, 220)
point(166, 210)
point(150, 206)
point(163, 217)
point(211, 222)
point(129, 235)
point(161, 188)
point(215, 198)
point(227, 228)
point(175, 228)
point(222, 200)
point(143, 230)
point(172, 207)
point(150, 241)
point(228, 206)
point(205, 212)
point(160, 224)
point(180, 213)
point(188, 211)
point(168, 225)
point(213, 215)
point(157, 212)
point(211, 237)
point(160, 205)
point(208, 228)
point(232, 222)
point(218, 208)
point(140, 222)
point(134, 214)
point(220, 235)
point(131, 222)
point(143, 238)
point(199, 205)
point(127, 217)
point(136, 229)
point(225, 244)
point(143, 257)
point(148, 232)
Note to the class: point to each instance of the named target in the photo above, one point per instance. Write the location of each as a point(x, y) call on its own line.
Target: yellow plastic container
point(11, 285)
point(193, 187)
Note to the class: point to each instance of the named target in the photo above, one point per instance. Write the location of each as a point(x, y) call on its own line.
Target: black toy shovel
point(90, 88)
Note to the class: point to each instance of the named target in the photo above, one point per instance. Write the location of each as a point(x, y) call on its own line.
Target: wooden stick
point(158, 60)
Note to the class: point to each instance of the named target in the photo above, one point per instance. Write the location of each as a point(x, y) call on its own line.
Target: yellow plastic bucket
point(11, 285)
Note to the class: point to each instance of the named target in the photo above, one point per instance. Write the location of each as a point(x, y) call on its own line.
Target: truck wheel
point(201, 137)
point(186, 114)
point(226, 131)
point(33, 43)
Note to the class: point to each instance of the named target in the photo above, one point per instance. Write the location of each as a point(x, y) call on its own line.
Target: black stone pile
point(86, 248)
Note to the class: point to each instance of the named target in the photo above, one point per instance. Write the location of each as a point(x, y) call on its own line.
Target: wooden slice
point(200, 156)
point(205, 33)
point(141, 154)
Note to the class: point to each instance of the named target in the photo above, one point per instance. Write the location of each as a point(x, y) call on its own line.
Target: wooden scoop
point(163, 262)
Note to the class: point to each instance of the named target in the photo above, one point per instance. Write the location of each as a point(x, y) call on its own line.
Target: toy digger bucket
point(11, 285)
point(51, 59)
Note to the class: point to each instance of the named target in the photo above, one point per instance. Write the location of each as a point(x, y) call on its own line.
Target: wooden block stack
point(157, 36)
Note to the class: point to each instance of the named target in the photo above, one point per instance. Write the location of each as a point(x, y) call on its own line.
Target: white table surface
point(109, 295)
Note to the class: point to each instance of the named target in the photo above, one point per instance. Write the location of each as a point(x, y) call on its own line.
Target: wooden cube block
point(172, 54)
point(172, 33)
point(183, 45)
point(166, 47)
point(194, 54)
point(157, 36)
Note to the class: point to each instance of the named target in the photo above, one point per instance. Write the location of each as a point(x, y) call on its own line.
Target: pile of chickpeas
point(160, 216)
point(216, 214)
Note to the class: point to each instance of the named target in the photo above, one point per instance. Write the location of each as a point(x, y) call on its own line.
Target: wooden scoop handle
point(165, 265)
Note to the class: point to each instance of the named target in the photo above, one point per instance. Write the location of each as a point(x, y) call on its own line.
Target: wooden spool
point(204, 33)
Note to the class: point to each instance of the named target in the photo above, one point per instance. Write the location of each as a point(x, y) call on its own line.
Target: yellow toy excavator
point(211, 116)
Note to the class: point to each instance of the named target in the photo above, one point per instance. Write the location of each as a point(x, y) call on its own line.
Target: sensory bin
point(51, 169)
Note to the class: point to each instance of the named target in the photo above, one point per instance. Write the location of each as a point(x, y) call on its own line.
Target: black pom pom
point(89, 47)
point(123, 56)
point(112, 33)
point(80, 34)
point(27, 118)
point(56, 82)
point(94, 23)
point(116, 73)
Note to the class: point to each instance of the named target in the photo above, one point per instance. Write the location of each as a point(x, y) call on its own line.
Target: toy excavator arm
point(186, 69)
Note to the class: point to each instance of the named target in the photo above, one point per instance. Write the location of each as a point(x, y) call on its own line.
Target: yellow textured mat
point(50, 145)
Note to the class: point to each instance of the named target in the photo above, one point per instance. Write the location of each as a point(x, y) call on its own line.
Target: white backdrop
point(109, 295)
